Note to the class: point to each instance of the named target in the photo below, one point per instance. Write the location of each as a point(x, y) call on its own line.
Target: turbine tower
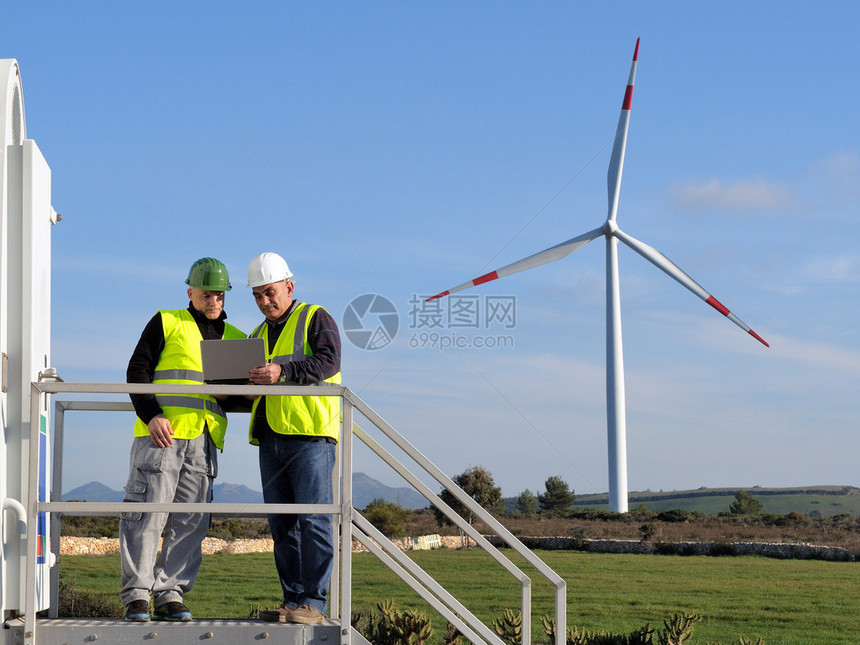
point(616, 414)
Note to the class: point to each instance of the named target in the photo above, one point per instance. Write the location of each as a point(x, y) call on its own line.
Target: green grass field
point(785, 602)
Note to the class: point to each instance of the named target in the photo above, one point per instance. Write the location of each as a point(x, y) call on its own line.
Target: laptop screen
point(229, 361)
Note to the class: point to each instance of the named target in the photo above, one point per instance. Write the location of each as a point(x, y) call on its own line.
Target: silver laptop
point(229, 361)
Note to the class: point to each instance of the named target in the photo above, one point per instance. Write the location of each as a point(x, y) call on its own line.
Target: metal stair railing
point(352, 524)
point(511, 540)
point(421, 583)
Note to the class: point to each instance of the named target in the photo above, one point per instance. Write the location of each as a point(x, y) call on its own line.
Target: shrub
point(509, 627)
point(641, 513)
point(648, 531)
point(90, 526)
point(745, 504)
point(454, 637)
point(677, 515)
point(235, 528)
point(388, 517)
point(393, 627)
point(85, 604)
point(677, 629)
point(597, 514)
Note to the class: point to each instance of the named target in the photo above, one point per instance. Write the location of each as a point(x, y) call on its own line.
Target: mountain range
point(806, 500)
point(364, 490)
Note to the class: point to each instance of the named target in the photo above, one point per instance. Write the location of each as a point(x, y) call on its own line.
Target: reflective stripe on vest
point(180, 363)
point(298, 337)
point(190, 401)
point(297, 415)
point(177, 375)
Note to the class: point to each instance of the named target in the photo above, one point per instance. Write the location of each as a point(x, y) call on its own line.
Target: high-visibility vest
point(316, 416)
point(180, 363)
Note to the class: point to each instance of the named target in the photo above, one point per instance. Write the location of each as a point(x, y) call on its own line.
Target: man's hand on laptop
point(265, 374)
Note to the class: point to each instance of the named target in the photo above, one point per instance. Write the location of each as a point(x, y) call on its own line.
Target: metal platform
point(87, 631)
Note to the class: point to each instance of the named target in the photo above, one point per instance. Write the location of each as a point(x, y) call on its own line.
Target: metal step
point(95, 631)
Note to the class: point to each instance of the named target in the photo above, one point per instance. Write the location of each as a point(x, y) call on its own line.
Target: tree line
point(557, 499)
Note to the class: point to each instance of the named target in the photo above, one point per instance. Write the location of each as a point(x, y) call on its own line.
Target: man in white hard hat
point(297, 436)
point(174, 454)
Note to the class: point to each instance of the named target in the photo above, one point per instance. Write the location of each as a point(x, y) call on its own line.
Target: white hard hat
point(267, 268)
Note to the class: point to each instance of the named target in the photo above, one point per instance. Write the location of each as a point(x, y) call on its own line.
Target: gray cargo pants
point(183, 472)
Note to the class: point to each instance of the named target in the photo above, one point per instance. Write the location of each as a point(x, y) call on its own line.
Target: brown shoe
point(280, 615)
point(305, 615)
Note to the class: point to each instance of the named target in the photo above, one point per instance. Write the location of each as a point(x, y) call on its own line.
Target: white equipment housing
point(26, 217)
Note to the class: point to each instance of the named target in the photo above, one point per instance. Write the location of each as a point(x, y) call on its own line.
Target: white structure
point(26, 217)
point(615, 397)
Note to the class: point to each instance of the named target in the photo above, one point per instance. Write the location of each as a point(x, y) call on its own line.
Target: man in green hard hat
point(174, 453)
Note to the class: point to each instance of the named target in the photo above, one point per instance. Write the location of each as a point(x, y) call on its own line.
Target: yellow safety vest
point(180, 363)
point(316, 416)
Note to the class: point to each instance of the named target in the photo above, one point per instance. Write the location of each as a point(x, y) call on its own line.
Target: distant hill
point(806, 500)
point(93, 492)
point(364, 490)
point(237, 494)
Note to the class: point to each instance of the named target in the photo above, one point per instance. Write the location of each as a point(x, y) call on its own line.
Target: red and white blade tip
point(716, 304)
point(487, 277)
point(628, 93)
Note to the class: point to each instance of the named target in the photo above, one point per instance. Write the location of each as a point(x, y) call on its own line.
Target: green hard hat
point(209, 274)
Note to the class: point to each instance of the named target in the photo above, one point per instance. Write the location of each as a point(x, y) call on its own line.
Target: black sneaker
point(137, 611)
point(174, 611)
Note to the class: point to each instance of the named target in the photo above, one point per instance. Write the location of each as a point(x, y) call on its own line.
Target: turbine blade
point(548, 255)
point(662, 262)
point(616, 162)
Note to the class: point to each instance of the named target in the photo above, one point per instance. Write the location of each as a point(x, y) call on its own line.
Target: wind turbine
point(615, 396)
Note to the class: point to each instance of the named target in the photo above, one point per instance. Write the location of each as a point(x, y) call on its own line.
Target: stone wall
point(105, 546)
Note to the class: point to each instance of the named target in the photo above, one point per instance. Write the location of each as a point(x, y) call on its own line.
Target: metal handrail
point(417, 579)
point(352, 524)
point(509, 538)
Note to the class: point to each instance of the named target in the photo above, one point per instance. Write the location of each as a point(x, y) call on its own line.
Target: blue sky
point(402, 148)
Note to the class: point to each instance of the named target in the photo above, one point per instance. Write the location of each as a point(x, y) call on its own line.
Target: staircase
point(30, 630)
